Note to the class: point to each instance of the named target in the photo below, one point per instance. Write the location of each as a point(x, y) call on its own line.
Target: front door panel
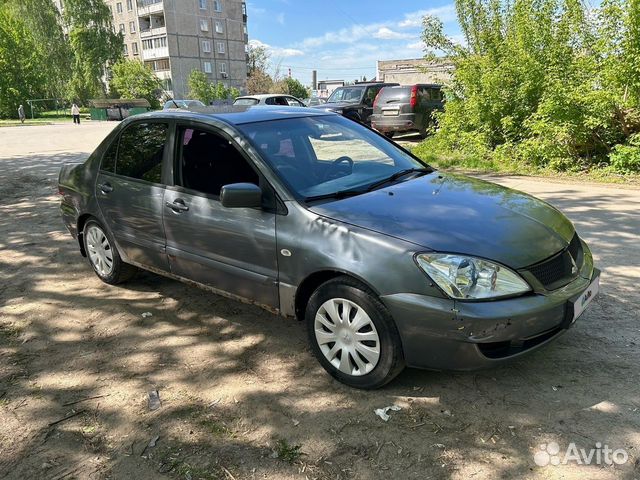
point(230, 249)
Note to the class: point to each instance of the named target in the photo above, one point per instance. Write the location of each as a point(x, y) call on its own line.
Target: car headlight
point(470, 278)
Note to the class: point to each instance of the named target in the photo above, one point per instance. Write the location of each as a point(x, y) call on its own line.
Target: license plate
point(390, 112)
point(585, 298)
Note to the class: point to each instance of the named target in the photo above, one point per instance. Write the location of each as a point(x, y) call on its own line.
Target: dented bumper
point(443, 334)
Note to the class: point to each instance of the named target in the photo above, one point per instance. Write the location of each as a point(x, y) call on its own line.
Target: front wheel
point(352, 335)
point(103, 255)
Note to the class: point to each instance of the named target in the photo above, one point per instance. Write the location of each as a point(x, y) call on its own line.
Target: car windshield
point(346, 94)
point(324, 156)
point(246, 101)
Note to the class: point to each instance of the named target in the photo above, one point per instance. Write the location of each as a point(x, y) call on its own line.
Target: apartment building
point(175, 37)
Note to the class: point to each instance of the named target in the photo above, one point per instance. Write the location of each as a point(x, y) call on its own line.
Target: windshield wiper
point(339, 194)
point(396, 176)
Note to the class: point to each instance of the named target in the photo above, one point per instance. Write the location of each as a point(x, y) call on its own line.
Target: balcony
point(153, 53)
point(146, 7)
point(151, 32)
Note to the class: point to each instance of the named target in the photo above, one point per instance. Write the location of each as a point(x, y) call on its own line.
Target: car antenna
point(170, 97)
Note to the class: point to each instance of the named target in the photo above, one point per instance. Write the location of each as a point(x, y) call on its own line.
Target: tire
point(103, 255)
point(389, 134)
point(343, 299)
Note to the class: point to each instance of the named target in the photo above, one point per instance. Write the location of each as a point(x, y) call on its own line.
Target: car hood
point(458, 214)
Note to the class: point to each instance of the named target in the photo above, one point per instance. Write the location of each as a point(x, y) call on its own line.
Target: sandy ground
point(239, 387)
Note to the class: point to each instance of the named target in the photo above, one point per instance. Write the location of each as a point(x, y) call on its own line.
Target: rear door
point(229, 249)
point(130, 191)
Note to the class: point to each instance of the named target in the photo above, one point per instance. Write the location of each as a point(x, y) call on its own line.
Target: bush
point(626, 158)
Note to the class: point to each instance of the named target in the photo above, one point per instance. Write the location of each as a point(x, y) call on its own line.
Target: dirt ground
point(242, 396)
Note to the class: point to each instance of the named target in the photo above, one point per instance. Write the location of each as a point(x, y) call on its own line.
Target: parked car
point(269, 99)
point(311, 215)
point(314, 101)
point(406, 108)
point(182, 104)
point(354, 101)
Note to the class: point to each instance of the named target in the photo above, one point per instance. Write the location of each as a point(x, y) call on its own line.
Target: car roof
point(262, 96)
point(234, 114)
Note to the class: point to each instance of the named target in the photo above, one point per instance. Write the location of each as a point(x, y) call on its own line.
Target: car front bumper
point(443, 334)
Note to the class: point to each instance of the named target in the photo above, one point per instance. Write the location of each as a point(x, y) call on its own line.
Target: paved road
point(64, 336)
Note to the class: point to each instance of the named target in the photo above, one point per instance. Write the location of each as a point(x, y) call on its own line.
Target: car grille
point(559, 270)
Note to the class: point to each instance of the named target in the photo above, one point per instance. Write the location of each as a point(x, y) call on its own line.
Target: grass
point(457, 161)
point(287, 452)
point(43, 118)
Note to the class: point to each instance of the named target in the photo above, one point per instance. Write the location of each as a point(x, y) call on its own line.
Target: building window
point(244, 8)
point(147, 44)
point(203, 4)
point(221, 47)
point(125, 50)
point(244, 29)
point(134, 48)
point(132, 27)
point(223, 68)
point(206, 46)
point(219, 27)
point(160, 42)
point(204, 25)
point(129, 5)
point(119, 7)
point(217, 5)
point(122, 29)
point(207, 67)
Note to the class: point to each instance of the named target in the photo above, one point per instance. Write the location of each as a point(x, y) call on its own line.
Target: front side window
point(207, 162)
point(109, 158)
point(318, 156)
point(141, 150)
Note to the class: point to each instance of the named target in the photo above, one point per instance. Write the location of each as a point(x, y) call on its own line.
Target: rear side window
point(141, 151)
point(109, 158)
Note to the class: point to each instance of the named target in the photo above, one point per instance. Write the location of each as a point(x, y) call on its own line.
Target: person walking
point(75, 111)
point(21, 113)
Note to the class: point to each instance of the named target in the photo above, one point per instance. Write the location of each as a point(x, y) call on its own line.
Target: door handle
point(105, 187)
point(177, 205)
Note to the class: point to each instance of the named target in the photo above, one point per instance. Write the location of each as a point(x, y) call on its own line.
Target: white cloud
point(446, 13)
point(415, 45)
point(280, 18)
point(253, 10)
point(385, 33)
point(277, 52)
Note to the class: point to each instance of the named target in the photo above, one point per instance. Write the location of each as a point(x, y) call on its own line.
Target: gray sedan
point(389, 262)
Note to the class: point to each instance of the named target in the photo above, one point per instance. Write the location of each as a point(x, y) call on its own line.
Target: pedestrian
point(75, 111)
point(21, 113)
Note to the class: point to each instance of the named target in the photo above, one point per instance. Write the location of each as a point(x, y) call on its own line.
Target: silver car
point(313, 216)
point(268, 99)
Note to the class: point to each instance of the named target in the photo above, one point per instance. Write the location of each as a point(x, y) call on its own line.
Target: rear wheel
point(352, 335)
point(103, 255)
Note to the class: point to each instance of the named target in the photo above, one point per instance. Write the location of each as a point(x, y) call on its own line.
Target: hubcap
point(99, 250)
point(347, 336)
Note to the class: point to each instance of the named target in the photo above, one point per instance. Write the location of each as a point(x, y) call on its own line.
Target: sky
point(341, 39)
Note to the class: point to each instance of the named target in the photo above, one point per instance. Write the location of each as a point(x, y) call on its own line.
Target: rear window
point(389, 93)
point(245, 101)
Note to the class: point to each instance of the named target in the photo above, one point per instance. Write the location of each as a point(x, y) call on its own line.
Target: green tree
point(44, 23)
point(22, 72)
point(541, 82)
point(94, 45)
point(292, 86)
point(133, 79)
point(200, 88)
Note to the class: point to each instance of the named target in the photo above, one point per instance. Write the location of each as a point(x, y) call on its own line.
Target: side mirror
point(241, 195)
